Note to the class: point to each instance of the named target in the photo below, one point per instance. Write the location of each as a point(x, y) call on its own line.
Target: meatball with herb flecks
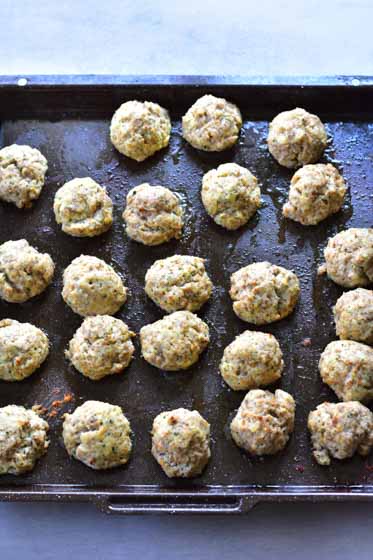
point(353, 315)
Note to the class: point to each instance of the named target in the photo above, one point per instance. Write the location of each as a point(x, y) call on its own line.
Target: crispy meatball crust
point(263, 292)
point(340, 430)
point(23, 348)
point(264, 422)
point(98, 435)
point(139, 129)
point(230, 195)
point(316, 192)
point(92, 287)
point(252, 360)
point(101, 346)
point(349, 257)
point(178, 282)
point(212, 124)
point(24, 272)
point(296, 138)
point(22, 174)
point(83, 208)
point(174, 342)
point(153, 215)
point(353, 315)
point(23, 439)
point(180, 442)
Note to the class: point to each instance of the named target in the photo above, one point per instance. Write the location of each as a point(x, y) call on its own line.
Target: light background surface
point(193, 37)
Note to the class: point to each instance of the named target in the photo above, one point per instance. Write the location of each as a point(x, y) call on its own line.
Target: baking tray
point(67, 117)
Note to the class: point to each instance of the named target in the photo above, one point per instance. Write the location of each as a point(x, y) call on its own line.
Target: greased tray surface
point(68, 120)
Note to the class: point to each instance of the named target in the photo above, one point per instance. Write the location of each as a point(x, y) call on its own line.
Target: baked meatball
point(139, 129)
point(349, 257)
point(98, 434)
point(180, 442)
point(23, 348)
point(316, 192)
point(92, 287)
point(212, 124)
point(353, 315)
point(252, 360)
point(263, 292)
point(22, 174)
point(174, 342)
point(23, 439)
point(178, 282)
point(153, 215)
point(264, 422)
point(230, 195)
point(347, 367)
point(296, 138)
point(24, 272)
point(83, 208)
point(340, 430)
point(101, 346)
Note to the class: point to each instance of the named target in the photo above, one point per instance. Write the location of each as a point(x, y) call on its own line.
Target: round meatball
point(24, 272)
point(174, 342)
point(180, 442)
point(340, 430)
point(316, 192)
point(347, 367)
point(22, 174)
point(153, 215)
point(83, 208)
point(92, 287)
point(101, 346)
point(98, 434)
point(264, 422)
point(23, 348)
point(263, 292)
point(349, 257)
point(178, 282)
point(252, 360)
point(296, 138)
point(212, 124)
point(23, 439)
point(230, 195)
point(353, 314)
point(139, 129)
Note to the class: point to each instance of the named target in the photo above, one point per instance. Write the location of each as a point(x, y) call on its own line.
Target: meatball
point(212, 124)
point(316, 192)
point(263, 292)
point(178, 282)
point(353, 314)
point(83, 208)
point(349, 257)
point(230, 195)
point(347, 367)
point(101, 346)
point(22, 174)
point(23, 348)
point(252, 360)
point(98, 434)
point(153, 215)
point(180, 442)
point(24, 272)
point(174, 342)
point(264, 422)
point(139, 129)
point(296, 138)
point(340, 430)
point(23, 439)
point(92, 287)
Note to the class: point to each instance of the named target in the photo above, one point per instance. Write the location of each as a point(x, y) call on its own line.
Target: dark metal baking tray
point(67, 117)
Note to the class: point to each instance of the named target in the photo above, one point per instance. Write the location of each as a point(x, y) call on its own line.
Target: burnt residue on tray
point(79, 146)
